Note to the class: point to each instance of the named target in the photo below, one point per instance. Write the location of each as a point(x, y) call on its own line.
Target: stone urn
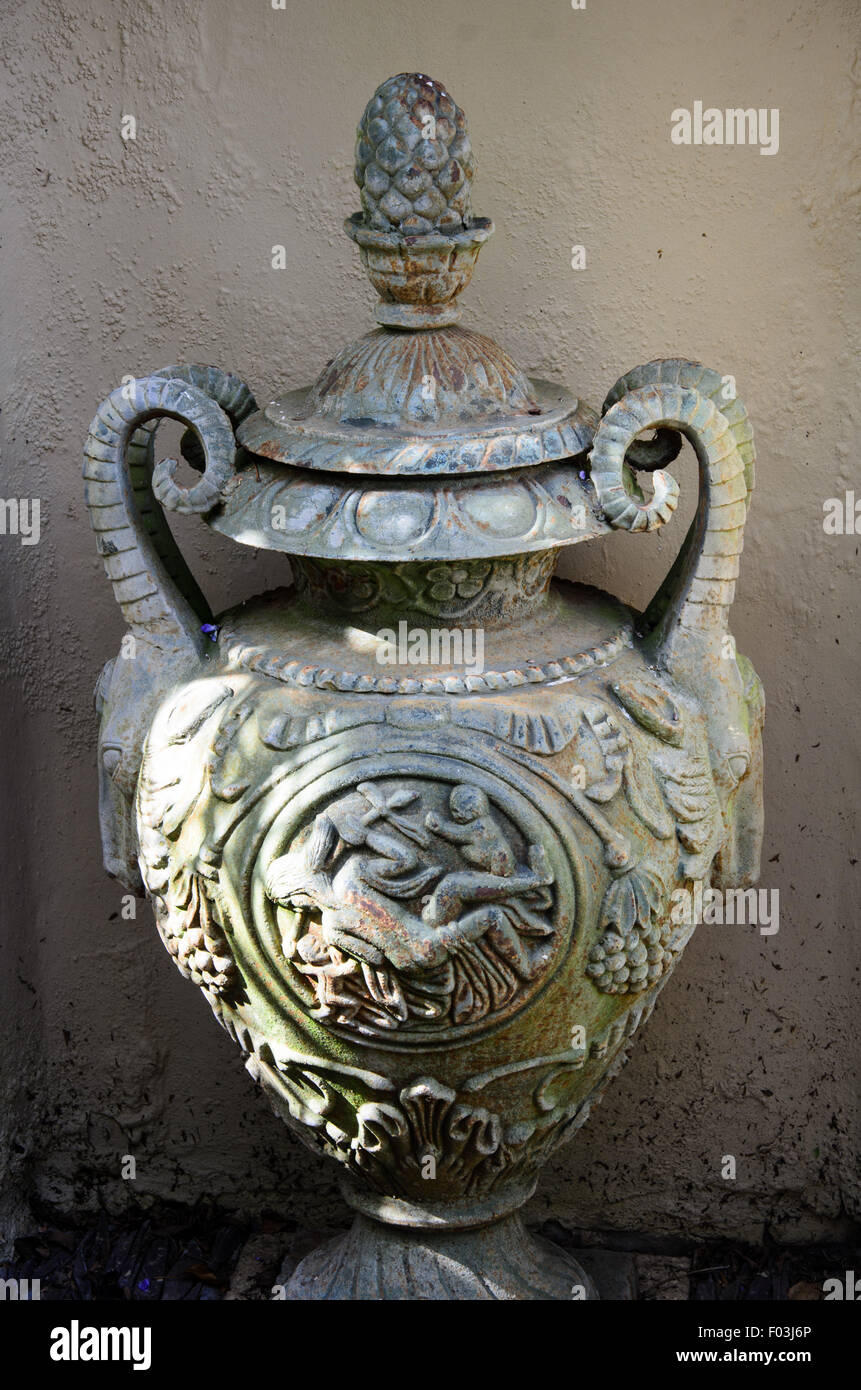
point(419, 823)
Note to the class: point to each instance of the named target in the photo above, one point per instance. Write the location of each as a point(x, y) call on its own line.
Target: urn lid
point(420, 394)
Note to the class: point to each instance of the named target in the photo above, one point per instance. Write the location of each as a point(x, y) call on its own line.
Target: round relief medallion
point(413, 898)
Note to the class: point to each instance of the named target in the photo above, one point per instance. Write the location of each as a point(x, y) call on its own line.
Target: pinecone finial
point(414, 168)
point(414, 162)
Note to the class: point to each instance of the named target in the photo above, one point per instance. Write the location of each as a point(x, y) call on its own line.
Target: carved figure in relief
point(356, 914)
point(474, 829)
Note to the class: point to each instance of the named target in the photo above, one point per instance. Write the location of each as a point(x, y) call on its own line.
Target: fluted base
point(501, 1261)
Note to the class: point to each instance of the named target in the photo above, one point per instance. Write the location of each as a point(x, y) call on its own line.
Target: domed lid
point(418, 395)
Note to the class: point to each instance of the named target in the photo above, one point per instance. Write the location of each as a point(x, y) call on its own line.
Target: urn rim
point(559, 426)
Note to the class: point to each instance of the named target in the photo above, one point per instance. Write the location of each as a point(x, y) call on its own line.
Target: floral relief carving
point(440, 590)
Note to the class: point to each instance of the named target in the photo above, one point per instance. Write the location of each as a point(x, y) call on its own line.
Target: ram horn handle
point(698, 591)
point(151, 581)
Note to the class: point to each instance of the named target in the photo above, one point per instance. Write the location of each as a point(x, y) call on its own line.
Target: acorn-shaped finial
point(416, 233)
point(414, 162)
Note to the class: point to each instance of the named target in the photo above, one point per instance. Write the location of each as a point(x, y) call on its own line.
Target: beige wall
point(123, 257)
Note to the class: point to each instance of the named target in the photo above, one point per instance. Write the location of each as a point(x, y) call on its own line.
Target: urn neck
point(487, 592)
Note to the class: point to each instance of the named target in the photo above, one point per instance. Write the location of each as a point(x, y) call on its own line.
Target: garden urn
point(419, 822)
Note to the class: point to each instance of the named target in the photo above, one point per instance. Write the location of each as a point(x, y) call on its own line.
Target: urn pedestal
point(419, 824)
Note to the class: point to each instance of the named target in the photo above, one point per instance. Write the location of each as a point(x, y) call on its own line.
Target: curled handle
point(680, 398)
point(125, 493)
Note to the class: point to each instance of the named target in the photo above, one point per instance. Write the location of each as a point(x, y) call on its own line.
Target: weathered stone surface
point(497, 1262)
point(431, 904)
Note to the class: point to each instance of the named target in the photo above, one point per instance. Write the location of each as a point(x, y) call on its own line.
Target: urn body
point(428, 826)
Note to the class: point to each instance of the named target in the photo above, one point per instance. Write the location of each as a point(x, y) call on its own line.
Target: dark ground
point(207, 1254)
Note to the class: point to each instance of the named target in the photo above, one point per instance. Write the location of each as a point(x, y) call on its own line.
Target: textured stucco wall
point(119, 257)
